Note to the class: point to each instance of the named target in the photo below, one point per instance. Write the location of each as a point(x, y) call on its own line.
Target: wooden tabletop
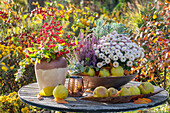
point(28, 95)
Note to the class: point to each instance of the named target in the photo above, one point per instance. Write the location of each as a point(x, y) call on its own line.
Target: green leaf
point(76, 41)
point(81, 69)
point(53, 56)
point(38, 60)
point(30, 49)
point(62, 7)
point(87, 8)
point(48, 60)
point(46, 56)
point(25, 16)
point(75, 15)
point(33, 18)
point(97, 69)
point(82, 30)
point(87, 69)
point(67, 16)
point(86, 59)
point(88, 13)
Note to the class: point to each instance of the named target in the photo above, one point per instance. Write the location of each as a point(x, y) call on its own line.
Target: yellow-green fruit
point(146, 88)
point(60, 92)
point(47, 91)
point(89, 71)
point(100, 91)
point(112, 91)
point(125, 92)
point(117, 71)
point(134, 90)
point(104, 73)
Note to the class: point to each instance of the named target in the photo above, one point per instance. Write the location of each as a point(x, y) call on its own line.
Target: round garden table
point(28, 94)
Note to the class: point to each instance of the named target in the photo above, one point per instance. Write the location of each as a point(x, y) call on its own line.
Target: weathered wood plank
point(28, 95)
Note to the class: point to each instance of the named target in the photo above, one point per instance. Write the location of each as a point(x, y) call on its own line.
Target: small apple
point(112, 91)
point(134, 90)
point(117, 71)
point(125, 92)
point(104, 72)
point(146, 88)
point(89, 71)
point(100, 91)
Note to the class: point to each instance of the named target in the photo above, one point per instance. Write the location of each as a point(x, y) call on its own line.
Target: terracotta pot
point(51, 73)
point(108, 82)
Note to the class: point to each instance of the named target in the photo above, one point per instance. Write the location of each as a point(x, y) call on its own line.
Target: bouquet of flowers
point(111, 55)
point(47, 45)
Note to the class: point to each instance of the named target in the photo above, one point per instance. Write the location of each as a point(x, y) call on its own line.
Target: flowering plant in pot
point(111, 57)
point(84, 57)
point(47, 52)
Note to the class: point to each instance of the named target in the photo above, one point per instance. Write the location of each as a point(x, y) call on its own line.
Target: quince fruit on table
point(89, 71)
point(125, 92)
point(47, 91)
point(112, 91)
point(134, 90)
point(112, 95)
point(60, 93)
point(146, 88)
point(104, 72)
point(117, 71)
point(100, 91)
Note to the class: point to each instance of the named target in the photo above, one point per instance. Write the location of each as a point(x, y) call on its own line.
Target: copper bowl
point(108, 82)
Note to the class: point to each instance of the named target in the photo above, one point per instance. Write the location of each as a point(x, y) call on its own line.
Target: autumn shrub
point(15, 28)
point(19, 30)
point(153, 36)
point(14, 35)
point(12, 104)
point(76, 18)
point(10, 57)
point(103, 27)
point(128, 13)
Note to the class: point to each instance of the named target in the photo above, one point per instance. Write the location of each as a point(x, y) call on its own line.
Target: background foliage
point(145, 22)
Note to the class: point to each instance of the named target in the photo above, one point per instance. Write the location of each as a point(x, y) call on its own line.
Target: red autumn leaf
point(142, 101)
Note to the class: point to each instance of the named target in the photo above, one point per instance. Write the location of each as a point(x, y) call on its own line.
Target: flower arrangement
point(116, 49)
point(84, 54)
point(119, 52)
point(113, 54)
point(48, 44)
